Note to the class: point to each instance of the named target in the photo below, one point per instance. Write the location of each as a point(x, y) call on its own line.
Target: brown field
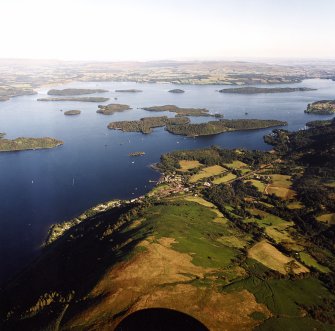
point(272, 258)
point(186, 165)
point(281, 192)
point(327, 218)
point(207, 172)
point(295, 205)
point(280, 186)
point(281, 180)
point(155, 278)
point(236, 164)
point(279, 234)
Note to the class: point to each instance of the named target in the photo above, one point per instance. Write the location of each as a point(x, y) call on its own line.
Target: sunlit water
point(39, 188)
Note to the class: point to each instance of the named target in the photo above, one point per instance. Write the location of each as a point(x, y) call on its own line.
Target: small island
point(146, 124)
point(74, 91)
point(129, 91)
point(80, 99)
point(112, 108)
point(2, 134)
point(323, 107)
point(177, 90)
point(216, 127)
point(182, 111)
point(256, 90)
point(72, 112)
point(136, 154)
point(23, 144)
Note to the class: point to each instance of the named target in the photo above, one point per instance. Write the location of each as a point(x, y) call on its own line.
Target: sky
point(127, 30)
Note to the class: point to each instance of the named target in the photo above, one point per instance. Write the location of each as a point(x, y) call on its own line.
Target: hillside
point(227, 240)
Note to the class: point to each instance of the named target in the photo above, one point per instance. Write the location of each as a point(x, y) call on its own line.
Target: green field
point(284, 296)
point(280, 186)
point(311, 262)
point(194, 228)
point(207, 172)
point(258, 184)
point(281, 180)
point(237, 165)
point(293, 324)
point(224, 179)
point(267, 219)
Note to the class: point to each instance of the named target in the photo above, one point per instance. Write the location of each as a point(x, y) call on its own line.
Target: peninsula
point(80, 99)
point(146, 124)
point(8, 92)
point(256, 90)
point(23, 144)
point(112, 108)
point(216, 127)
point(323, 107)
point(182, 111)
point(74, 91)
point(72, 112)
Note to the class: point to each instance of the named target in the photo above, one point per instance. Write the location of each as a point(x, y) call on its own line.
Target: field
point(295, 205)
point(258, 184)
point(280, 186)
point(274, 226)
point(330, 184)
point(280, 235)
point(327, 218)
point(186, 223)
point(267, 219)
point(269, 256)
point(224, 179)
point(311, 262)
point(203, 202)
point(283, 296)
point(236, 164)
point(186, 165)
point(281, 180)
point(291, 323)
point(207, 172)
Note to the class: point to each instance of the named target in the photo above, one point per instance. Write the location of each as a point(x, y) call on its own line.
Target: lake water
point(39, 188)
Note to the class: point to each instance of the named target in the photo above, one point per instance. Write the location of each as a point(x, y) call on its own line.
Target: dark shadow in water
point(160, 319)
